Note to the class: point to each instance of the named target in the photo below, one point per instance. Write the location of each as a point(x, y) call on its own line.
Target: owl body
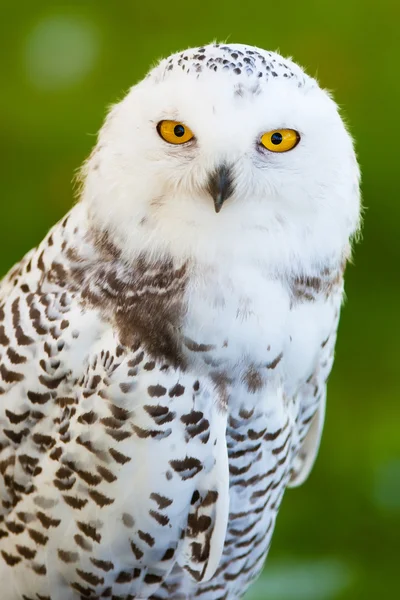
point(163, 367)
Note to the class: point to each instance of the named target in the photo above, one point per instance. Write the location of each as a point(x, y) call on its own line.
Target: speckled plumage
point(163, 368)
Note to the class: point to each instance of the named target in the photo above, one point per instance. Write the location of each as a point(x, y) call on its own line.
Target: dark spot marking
point(100, 499)
point(39, 569)
point(119, 457)
point(90, 578)
point(194, 347)
point(162, 501)
point(136, 551)
point(124, 577)
point(168, 554)
point(46, 521)
point(187, 468)
point(10, 376)
point(177, 390)
point(68, 557)
point(151, 578)
point(15, 358)
point(83, 542)
point(147, 538)
point(102, 564)
point(106, 474)
point(10, 559)
point(253, 380)
point(160, 518)
point(89, 531)
point(26, 552)
point(38, 537)
point(75, 502)
point(128, 520)
point(156, 391)
point(275, 362)
point(15, 419)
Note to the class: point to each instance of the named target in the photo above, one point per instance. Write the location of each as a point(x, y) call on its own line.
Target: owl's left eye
point(280, 140)
point(174, 132)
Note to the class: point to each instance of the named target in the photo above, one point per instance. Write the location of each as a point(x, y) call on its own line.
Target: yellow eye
point(280, 140)
point(174, 132)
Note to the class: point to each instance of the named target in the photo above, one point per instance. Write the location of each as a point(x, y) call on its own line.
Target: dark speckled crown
point(236, 59)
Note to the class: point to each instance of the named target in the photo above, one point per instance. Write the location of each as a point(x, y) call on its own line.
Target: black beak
point(220, 185)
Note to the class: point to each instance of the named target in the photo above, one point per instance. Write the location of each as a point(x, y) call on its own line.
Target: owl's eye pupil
point(276, 138)
point(179, 130)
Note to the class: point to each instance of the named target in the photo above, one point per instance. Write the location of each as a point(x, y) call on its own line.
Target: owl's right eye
point(280, 140)
point(174, 132)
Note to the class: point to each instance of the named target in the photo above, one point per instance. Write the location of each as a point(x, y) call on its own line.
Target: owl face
point(225, 149)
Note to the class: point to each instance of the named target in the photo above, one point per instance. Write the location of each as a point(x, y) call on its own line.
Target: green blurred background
point(62, 63)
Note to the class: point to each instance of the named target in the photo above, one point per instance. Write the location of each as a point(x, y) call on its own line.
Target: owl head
point(228, 152)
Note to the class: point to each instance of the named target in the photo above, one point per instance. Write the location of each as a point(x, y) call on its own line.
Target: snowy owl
point(164, 351)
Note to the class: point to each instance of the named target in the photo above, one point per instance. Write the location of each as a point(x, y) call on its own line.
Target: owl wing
point(178, 472)
point(114, 466)
point(311, 400)
point(308, 451)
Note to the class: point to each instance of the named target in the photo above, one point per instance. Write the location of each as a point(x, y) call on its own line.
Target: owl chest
point(248, 328)
point(237, 320)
